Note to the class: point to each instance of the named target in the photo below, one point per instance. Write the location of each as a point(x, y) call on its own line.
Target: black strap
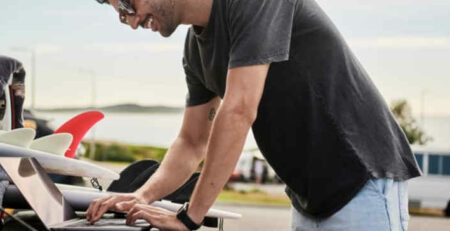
point(186, 220)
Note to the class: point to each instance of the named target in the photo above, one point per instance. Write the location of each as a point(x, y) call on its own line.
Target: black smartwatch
point(185, 219)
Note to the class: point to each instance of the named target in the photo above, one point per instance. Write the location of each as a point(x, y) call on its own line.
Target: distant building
point(432, 190)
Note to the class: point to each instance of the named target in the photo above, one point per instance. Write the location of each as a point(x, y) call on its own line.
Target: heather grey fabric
point(7, 67)
point(10, 67)
point(321, 124)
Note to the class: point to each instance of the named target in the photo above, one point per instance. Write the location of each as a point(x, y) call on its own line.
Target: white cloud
point(402, 42)
point(59, 13)
point(47, 49)
point(155, 47)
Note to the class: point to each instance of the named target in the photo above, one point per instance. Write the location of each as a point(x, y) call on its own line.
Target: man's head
point(159, 15)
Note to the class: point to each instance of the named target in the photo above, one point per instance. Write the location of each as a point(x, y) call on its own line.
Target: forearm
point(224, 148)
point(181, 160)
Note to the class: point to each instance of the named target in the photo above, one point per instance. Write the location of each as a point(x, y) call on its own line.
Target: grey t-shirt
point(7, 67)
point(321, 124)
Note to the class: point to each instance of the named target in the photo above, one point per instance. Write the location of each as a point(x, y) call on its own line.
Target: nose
point(133, 21)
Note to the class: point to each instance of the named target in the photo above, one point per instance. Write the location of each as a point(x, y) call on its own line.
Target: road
point(262, 218)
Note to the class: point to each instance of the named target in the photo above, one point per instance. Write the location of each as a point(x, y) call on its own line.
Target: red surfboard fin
point(78, 126)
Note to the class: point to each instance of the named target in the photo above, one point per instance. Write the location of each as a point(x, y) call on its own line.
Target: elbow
point(243, 113)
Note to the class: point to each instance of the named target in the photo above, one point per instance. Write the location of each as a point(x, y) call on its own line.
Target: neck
point(195, 12)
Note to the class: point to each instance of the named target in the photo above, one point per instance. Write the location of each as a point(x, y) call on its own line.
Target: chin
point(167, 33)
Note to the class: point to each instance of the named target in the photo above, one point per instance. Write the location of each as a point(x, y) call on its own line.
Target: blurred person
point(259, 170)
point(282, 68)
point(12, 76)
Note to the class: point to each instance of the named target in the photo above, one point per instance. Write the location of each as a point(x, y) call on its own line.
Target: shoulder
point(190, 45)
point(255, 4)
point(249, 11)
point(8, 64)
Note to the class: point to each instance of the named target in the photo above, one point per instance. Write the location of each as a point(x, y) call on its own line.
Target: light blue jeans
point(381, 205)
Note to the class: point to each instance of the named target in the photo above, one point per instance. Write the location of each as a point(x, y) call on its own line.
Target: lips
point(149, 22)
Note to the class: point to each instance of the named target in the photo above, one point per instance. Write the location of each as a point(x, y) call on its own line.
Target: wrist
point(196, 218)
point(144, 196)
point(188, 222)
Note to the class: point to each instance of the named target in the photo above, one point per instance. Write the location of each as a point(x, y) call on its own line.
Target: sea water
point(159, 129)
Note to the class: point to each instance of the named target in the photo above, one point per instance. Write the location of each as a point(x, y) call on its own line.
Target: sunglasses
point(125, 9)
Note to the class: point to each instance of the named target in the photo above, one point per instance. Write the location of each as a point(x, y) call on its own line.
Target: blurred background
point(78, 56)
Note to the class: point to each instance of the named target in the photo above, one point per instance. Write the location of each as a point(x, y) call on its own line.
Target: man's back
point(321, 124)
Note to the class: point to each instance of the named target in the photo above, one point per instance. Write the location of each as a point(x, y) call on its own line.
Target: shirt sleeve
point(197, 93)
point(260, 31)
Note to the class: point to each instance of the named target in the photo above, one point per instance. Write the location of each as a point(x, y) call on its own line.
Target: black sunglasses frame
point(125, 9)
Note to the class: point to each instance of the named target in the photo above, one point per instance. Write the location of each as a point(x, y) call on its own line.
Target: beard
point(167, 28)
point(165, 12)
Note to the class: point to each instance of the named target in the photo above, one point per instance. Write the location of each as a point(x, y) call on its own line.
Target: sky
point(81, 46)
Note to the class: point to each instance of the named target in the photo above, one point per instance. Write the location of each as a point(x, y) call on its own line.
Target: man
point(282, 68)
point(10, 67)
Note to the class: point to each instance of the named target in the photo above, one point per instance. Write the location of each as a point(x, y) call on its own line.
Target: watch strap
point(186, 220)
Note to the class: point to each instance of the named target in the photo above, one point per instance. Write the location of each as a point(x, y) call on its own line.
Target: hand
point(117, 202)
point(157, 217)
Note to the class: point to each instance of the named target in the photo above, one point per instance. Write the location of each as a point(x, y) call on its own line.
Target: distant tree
point(402, 112)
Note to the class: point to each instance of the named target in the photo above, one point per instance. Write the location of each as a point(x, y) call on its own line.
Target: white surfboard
point(59, 164)
point(6, 121)
point(54, 143)
point(80, 198)
point(21, 137)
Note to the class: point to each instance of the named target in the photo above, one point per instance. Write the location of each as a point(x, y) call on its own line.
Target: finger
point(94, 206)
point(132, 217)
point(89, 210)
point(103, 207)
point(140, 215)
point(139, 208)
point(125, 205)
point(143, 207)
point(132, 210)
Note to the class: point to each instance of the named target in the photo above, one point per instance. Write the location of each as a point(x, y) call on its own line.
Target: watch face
point(182, 208)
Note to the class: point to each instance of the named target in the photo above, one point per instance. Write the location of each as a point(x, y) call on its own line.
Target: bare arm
point(235, 117)
point(184, 155)
point(180, 162)
point(245, 86)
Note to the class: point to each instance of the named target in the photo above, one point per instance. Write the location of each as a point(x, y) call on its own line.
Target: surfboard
point(78, 126)
point(6, 121)
point(80, 198)
point(59, 164)
point(21, 137)
point(54, 143)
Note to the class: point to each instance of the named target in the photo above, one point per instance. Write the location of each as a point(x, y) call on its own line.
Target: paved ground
point(278, 219)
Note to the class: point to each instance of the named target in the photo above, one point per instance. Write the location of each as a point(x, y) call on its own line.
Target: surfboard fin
point(54, 143)
point(21, 137)
point(78, 126)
